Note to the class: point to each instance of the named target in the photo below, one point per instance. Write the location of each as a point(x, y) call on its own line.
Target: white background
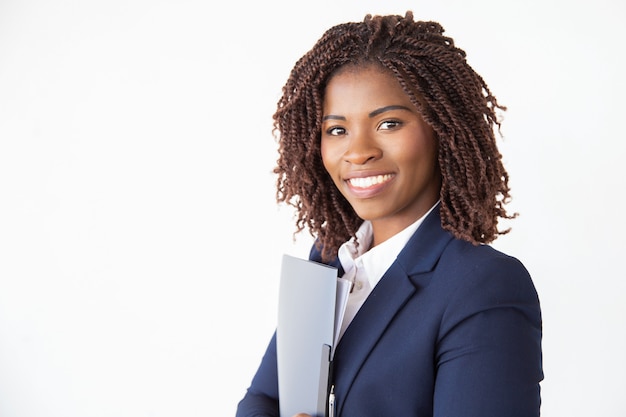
point(139, 236)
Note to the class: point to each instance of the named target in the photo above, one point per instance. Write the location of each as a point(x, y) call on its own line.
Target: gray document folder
point(309, 294)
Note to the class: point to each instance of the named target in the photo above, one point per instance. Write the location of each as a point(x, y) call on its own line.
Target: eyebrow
point(371, 114)
point(387, 108)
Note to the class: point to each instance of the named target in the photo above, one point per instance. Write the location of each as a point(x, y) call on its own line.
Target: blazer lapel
point(395, 288)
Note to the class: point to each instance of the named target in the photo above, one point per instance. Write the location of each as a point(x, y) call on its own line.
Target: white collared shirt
point(365, 267)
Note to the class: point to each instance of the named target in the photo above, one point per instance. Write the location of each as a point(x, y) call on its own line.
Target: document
point(311, 304)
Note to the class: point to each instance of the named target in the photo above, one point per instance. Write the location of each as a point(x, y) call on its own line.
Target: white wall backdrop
point(139, 237)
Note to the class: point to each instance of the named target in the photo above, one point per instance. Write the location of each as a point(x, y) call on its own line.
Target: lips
point(368, 182)
point(368, 186)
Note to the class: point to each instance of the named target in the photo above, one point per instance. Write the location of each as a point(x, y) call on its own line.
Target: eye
point(335, 131)
point(390, 124)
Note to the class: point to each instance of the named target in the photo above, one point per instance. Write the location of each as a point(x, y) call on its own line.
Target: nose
point(362, 148)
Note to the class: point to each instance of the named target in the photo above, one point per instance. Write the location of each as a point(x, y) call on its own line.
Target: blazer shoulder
point(491, 274)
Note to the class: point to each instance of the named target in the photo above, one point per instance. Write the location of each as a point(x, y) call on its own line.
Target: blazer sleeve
point(261, 398)
point(488, 360)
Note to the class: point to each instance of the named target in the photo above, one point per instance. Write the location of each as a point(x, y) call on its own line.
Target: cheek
point(425, 149)
point(419, 157)
point(326, 153)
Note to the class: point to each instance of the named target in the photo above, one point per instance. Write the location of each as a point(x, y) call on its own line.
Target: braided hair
point(451, 97)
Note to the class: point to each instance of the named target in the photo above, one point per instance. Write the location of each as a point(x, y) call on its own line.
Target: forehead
point(353, 89)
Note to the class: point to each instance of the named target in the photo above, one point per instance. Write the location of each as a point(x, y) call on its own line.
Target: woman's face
point(379, 152)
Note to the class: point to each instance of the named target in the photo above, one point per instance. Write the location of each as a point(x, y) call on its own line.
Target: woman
point(388, 152)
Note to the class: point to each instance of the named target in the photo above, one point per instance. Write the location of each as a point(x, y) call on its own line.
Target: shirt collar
point(377, 260)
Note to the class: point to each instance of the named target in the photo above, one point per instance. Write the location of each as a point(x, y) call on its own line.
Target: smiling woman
point(387, 150)
point(378, 150)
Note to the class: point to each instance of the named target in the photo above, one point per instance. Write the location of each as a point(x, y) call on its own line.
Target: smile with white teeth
point(367, 182)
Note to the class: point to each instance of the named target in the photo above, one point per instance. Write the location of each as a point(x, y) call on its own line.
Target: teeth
point(369, 181)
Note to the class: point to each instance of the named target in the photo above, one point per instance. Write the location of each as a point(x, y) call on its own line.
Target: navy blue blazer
point(451, 330)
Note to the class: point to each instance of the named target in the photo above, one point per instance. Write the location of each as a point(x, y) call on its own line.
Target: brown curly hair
point(451, 97)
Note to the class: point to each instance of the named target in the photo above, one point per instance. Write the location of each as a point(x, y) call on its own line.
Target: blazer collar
point(422, 251)
point(397, 285)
